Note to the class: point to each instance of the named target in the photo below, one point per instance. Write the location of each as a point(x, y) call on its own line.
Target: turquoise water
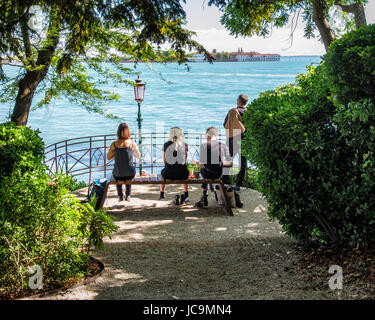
point(193, 100)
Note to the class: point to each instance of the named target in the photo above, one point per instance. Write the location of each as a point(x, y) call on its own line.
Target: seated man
point(213, 156)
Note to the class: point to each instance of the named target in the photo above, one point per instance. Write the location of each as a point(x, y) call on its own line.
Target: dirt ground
point(164, 251)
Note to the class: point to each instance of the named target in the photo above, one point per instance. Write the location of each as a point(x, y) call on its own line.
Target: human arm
point(225, 155)
point(135, 149)
point(164, 159)
point(111, 151)
point(202, 154)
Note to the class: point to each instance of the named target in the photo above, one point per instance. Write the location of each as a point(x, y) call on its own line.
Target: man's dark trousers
point(234, 149)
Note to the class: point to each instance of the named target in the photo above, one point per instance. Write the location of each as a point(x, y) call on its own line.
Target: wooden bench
point(158, 180)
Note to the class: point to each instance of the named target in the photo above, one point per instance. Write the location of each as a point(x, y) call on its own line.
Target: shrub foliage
point(314, 144)
point(41, 223)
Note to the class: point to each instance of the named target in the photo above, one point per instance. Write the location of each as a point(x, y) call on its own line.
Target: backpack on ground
point(229, 194)
point(97, 188)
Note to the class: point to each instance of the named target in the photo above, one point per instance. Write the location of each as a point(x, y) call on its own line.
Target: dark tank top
point(124, 163)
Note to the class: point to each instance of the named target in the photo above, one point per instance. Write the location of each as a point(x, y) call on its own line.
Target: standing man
point(234, 130)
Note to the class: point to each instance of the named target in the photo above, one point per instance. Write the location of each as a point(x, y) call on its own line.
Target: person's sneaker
point(120, 198)
point(237, 199)
point(127, 198)
point(184, 199)
point(177, 200)
point(202, 202)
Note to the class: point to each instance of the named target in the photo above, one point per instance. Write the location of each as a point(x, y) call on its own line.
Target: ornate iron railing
point(87, 156)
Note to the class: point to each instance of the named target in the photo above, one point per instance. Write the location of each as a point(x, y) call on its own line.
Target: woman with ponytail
point(175, 153)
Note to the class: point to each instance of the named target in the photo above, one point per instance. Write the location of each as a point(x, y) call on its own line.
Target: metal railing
point(87, 156)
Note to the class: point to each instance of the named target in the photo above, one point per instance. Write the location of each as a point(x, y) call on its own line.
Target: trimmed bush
point(350, 65)
point(314, 144)
point(307, 168)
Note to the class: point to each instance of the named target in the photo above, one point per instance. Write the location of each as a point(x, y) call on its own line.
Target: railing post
point(66, 157)
point(105, 158)
point(152, 153)
point(57, 168)
point(90, 160)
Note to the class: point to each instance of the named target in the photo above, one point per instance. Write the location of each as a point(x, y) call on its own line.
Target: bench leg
point(104, 196)
point(226, 203)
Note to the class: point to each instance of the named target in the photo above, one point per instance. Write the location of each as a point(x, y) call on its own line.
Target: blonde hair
point(176, 135)
point(212, 132)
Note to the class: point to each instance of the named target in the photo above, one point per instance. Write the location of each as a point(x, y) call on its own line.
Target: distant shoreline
point(303, 56)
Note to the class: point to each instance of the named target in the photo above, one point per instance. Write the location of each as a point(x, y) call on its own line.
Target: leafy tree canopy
point(258, 17)
point(58, 45)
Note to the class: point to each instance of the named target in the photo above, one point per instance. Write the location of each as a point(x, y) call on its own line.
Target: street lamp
point(139, 93)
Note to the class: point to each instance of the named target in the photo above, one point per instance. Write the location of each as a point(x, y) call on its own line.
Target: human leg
point(242, 172)
point(162, 186)
point(119, 192)
point(162, 191)
point(203, 202)
point(185, 197)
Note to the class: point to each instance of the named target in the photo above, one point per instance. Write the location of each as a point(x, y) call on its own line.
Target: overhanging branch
point(357, 9)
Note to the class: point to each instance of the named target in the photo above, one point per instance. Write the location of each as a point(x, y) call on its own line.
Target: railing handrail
point(88, 155)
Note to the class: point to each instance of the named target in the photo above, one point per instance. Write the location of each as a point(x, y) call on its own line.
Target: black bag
point(97, 187)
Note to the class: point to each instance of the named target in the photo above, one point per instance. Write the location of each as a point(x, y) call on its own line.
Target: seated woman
point(175, 153)
point(124, 151)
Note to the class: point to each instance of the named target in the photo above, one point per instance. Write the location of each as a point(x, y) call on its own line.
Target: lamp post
point(139, 93)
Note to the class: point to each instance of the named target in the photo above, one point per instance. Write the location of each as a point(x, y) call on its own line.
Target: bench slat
point(158, 181)
point(152, 181)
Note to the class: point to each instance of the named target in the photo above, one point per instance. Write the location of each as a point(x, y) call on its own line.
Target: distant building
point(238, 56)
point(242, 57)
point(197, 57)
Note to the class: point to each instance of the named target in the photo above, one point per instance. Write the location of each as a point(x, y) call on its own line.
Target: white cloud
point(205, 21)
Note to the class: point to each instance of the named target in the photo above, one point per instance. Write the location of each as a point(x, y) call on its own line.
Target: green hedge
point(308, 170)
point(41, 223)
point(314, 144)
point(350, 63)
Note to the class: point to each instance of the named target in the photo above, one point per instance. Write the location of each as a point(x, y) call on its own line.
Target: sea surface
point(193, 100)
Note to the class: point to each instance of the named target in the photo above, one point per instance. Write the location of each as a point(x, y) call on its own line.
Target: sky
point(205, 21)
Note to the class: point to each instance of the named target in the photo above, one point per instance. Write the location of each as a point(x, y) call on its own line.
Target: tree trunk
point(360, 15)
point(28, 84)
point(357, 9)
point(320, 19)
point(26, 90)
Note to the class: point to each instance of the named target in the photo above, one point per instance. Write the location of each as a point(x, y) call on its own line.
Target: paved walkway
point(163, 251)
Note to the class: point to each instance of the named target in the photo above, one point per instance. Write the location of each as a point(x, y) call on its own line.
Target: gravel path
point(162, 251)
